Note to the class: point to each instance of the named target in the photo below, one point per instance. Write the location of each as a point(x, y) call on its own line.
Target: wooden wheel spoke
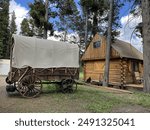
point(26, 81)
point(68, 85)
point(33, 80)
point(37, 89)
point(34, 91)
point(30, 86)
point(27, 92)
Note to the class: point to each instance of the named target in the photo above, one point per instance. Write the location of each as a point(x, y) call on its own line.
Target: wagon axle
point(31, 86)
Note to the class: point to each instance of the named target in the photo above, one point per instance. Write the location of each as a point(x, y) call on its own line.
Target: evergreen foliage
point(28, 27)
point(37, 12)
point(4, 30)
point(98, 16)
point(69, 17)
point(13, 26)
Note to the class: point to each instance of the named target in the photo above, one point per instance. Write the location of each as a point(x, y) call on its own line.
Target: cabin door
point(135, 66)
point(135, 71)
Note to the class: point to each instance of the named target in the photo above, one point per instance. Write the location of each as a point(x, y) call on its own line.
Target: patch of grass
point(86, 99)
point(83, 100)
point(81, 75)
point(139, 98)
point(99, 101)
point(49, 87)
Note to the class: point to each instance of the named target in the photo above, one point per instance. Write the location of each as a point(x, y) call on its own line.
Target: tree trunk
point(107, 60)
point(95, 24)
point(86, 26)
point(146, 45)
point(46, 19)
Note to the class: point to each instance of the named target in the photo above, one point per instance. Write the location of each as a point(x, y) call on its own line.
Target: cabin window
point(97, 44)
point(135, 66)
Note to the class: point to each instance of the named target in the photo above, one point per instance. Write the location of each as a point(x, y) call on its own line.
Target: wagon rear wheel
point(30, 86)
point(68, 85)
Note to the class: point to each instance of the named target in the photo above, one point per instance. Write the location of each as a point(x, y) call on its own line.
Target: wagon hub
point(10, 88)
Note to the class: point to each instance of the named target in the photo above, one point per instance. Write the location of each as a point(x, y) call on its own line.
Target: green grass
point(88, 99)
point(81, 76)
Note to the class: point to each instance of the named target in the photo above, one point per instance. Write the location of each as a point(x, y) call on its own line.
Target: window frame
point(97, 44)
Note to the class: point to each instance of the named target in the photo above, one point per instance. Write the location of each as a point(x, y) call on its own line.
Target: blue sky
point(124, 10)
point(24, 3)
point(21, 9)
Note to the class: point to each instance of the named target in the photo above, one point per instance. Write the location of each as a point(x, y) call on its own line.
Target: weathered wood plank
point(108, 89)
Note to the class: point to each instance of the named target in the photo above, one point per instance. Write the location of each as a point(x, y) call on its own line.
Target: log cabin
point(125, 61)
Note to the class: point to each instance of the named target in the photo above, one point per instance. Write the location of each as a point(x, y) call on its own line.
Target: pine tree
point(28, 28)
point(146, 45)
point(70, 20)
point(13, 26)
point(68, 16)
point(117, 4)
point(97, 11)
point(4, 32)
point(108, 45)
point(25, 30)
point(38, 11)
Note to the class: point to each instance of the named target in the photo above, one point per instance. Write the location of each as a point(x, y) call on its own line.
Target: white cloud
point(20, 11)
point(59, 36)
point(129, 23)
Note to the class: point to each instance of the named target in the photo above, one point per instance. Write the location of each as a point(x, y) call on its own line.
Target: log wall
point(120, 70)
point(95, 70)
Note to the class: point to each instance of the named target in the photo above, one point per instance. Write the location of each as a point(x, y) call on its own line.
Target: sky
point(21, 10)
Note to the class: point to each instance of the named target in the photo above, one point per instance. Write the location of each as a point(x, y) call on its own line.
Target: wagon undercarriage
point(29, 82)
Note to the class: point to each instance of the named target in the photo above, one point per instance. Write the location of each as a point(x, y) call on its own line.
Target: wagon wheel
point(30, 86)
point(8, 81)
point(68, 85)
point(16, 84)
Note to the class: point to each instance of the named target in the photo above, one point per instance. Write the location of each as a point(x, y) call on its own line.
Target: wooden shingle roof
point(120, 49)
point(127, 50)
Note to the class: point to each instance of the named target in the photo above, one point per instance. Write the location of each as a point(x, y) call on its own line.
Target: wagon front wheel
point(30, 86)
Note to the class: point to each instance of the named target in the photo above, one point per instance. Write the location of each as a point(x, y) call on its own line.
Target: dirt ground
point(14, 103)
point(47, 102)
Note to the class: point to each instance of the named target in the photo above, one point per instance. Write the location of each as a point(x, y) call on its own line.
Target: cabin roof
point(127, 50)
point(120, 49)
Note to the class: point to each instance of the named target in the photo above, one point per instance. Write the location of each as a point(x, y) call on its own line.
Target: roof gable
point(118, 49)
point(92, 52)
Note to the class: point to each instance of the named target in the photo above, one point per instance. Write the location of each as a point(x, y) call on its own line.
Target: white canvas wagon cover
point(40, 53)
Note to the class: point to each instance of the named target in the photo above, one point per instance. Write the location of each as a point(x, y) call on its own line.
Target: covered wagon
point(35, 61)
